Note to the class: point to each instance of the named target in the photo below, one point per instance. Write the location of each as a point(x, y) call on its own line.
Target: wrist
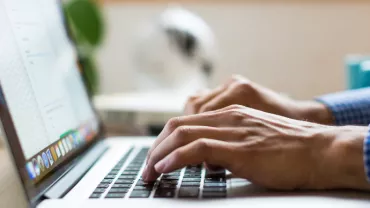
point(341, 164)
point(315, 112)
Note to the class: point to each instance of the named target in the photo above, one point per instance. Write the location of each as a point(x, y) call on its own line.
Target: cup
point(358, 71)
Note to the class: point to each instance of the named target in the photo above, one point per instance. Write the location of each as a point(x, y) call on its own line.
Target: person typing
point(271, 140)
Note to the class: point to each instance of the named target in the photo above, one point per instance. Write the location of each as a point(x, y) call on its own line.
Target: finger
point(172, 124)
point(205, 150)
point(221, 101)
point(205, 119)
point(187, 134)
point(212, 167)
point(193, 106)
point(193, 98)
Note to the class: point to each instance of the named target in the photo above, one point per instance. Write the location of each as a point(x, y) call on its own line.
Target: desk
point(11, 191)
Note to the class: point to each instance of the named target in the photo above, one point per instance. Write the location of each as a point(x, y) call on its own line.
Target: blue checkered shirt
point(352, 108)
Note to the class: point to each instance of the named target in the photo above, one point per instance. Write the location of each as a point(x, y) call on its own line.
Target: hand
point(241, 91)
point(269, 150)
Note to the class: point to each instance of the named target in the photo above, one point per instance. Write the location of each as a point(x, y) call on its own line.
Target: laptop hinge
point(70, 179)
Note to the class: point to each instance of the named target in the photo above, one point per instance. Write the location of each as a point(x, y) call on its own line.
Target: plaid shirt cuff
point(349, 107)
point(367, 155)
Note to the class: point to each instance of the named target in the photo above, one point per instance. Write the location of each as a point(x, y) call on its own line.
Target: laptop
point(56, 139)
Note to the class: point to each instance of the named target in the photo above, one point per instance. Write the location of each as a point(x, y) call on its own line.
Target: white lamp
point(176, 52)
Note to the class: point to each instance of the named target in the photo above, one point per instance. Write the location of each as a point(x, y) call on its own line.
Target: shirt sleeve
point(349, 107)
point(352, 108)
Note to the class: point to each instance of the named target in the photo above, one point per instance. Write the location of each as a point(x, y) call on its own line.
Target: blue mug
point(358, 71)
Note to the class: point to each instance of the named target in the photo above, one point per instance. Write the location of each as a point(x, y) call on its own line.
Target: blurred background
point(281, 44)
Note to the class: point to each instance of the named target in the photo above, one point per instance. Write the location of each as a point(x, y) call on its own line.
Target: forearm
point(342, 164)
point(316, 112)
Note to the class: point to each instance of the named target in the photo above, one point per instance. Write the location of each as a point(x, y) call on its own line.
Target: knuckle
point(258, 123)
point(202, 145)
point(182, 131)
point(192, 98)
point(173, 123)
point(244, 87)
point(206, 108)
point(236, 115)
point(236, 106)
point(196, 105)
point(241, 134)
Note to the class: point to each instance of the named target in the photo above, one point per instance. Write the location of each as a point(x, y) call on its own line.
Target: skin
point(241, 91)
point(253, 142)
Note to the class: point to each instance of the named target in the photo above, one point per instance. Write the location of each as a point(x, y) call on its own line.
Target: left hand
point(267, 149)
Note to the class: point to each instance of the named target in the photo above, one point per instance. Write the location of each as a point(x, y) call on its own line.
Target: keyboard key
point(103, 185)
point(214, 189)
point(189, 192)
point(110, 177)
point(194, 166)
point(213, 180)
point(196, 184)
point(191, 179)
point(128, 177)
point(135, 166)
point(113, 172)
point(148, 188)
point(99, 190)
point(120, 164)
point(172, 174)
point(193, 170)
point(215, 185)
point(119, 190)
point(165, 193)
point(132, 169)
point(170, 177)
point(192, 175)
point(95, 196)
point(130, 173)
point(124, 181)
point(121, 185)
point(168, 186)
point(214, 194)
point(217, 173)
point(115, 195)
point(107, 181)
point(173, 182)
point(140, 194)
point(142, 183)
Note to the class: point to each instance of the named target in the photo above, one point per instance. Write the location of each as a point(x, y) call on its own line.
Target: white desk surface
point(166, 102)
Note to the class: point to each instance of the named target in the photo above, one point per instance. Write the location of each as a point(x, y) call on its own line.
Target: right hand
point(268, 150)
point(241, 91)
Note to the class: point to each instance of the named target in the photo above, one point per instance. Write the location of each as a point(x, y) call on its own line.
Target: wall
point(281, 44)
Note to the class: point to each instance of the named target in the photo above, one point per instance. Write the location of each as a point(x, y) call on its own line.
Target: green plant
point(87, 28)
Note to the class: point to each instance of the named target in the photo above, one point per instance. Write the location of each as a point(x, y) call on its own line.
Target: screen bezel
point(34, 192)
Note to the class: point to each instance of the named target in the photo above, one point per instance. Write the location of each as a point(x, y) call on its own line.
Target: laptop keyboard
point(190, 182)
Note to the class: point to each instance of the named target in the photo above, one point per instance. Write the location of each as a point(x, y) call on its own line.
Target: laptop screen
point(42, 85)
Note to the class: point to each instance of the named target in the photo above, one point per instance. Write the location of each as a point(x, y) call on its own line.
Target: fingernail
point(160, 166)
